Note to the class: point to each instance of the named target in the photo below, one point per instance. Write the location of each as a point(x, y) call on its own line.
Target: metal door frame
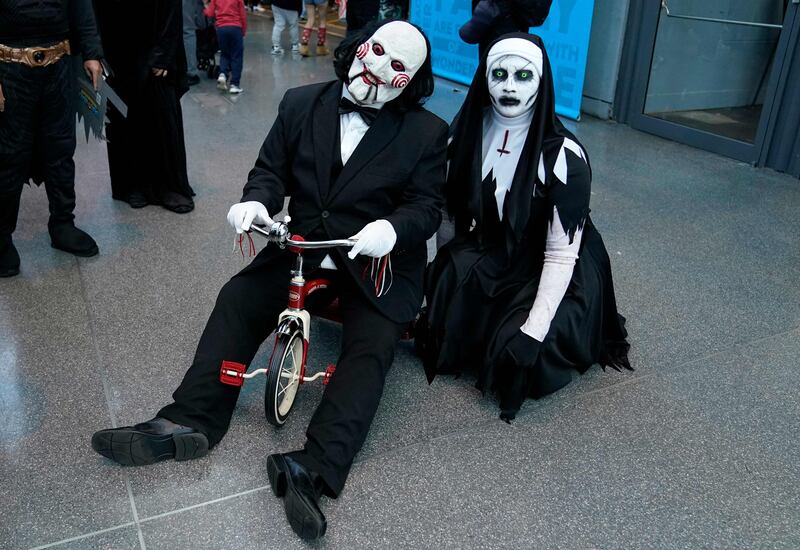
point(640, 41)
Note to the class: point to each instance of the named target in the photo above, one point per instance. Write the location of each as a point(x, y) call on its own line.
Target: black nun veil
point(545, 138)
point(481, 286)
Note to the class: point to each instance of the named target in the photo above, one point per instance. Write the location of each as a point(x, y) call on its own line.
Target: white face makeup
point(513, 83)
point(386, 63)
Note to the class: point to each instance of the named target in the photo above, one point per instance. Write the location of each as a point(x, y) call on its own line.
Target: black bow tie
point(367, 114)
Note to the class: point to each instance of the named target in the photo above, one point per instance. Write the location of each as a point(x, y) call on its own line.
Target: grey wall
point(605, 49)
point(701, 65)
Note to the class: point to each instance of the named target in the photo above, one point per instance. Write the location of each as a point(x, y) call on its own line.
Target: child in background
point(320, 8)
point(285, 13)
point(231, 23)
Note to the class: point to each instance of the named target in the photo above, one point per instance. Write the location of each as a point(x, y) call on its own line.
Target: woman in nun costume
point(523, 293)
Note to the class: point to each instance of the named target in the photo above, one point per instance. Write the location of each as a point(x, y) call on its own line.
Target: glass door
point(707, 82)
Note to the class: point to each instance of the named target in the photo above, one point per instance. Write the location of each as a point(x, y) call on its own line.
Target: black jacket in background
point(25, 23)
point(516, 16)
point(396, 173)
point(291, 5)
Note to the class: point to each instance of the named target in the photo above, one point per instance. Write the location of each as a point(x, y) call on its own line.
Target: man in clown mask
point(523, 294)
point(359, 158)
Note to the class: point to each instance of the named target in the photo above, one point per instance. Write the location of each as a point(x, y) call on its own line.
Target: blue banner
point(452, 58)
point(565, 34)
point(566, 37)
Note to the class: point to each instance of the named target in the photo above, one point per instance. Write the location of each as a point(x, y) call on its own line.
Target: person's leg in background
point(237, 59)
point(9, 212)
point(224, 39)
point(280, 17)
point(322, 30)
point(305, 37)
point(294, 30)
point(190, 11)
point(18, 106)
point(58, 141)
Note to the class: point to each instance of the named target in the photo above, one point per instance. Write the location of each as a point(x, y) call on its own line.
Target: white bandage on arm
point(559, 263)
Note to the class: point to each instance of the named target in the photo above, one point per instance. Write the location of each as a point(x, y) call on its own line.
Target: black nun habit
point(482, 285)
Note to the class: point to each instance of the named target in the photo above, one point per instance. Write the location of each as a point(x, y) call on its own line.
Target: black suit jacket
point(396, 173)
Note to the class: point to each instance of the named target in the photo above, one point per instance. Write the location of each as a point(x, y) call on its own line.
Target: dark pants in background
point(245, 314)
point(361, 13)
point(192, 11)
point(37, 138)
point(231, 45)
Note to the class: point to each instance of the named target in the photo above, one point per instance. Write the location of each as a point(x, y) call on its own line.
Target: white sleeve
point(559, 263)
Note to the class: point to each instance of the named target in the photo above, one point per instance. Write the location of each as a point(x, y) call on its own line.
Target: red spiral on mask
point(400, 80)
point(362, 50)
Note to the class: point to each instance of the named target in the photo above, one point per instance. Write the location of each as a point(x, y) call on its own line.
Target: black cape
point(482, 285)
point(146, 151)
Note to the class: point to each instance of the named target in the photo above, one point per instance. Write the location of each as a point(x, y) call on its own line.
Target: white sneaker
point(234, 89)
point(222, 82)
point(295, 48)
point(277, 50)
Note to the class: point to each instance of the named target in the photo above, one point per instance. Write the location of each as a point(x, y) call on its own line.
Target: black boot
point(65, 236)
point(60, 188)
point(9, 258)
point(9, 211)
point(149, 442)
point(300, 489)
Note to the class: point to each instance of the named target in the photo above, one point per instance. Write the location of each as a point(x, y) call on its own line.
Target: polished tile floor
point(697, 448)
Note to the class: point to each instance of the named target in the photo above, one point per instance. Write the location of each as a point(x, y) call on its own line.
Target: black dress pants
point(245, 313)
point(37, 136)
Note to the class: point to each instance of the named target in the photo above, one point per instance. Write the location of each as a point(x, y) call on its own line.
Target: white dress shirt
point(351, 129)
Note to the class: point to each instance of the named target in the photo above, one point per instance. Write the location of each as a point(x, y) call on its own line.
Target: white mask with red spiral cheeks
point(386, 63)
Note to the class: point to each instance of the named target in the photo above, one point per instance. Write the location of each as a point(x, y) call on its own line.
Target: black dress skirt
point(478, 295)
point(146, 150)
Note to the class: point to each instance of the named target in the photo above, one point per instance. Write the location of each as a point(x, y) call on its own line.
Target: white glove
point(242, 215)
point(376, 240)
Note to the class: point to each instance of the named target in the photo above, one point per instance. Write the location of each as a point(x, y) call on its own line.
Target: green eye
point(499, 74)
point(524, 75)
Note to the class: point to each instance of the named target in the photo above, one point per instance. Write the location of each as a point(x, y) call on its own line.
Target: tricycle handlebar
point(279, 234)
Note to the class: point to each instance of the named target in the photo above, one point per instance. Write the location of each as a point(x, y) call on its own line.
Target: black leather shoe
point(192, 80)
point(300, 489)
point(9, 258)
point(150, 442)
point(67, 237)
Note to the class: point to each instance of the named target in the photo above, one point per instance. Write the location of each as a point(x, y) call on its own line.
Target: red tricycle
point(286, 370)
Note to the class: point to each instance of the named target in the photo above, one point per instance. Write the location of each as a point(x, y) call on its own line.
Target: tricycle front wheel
point(283, 379)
